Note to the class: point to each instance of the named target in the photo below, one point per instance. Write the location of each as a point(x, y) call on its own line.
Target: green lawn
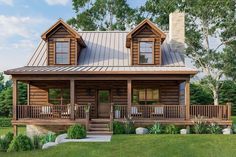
point(144, 146)
point(141, 146)
point(4, 130)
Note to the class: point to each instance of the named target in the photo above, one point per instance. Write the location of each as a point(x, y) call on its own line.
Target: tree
point(158, 11)
point(102, 15)
point(200, 94)
point(206, 19)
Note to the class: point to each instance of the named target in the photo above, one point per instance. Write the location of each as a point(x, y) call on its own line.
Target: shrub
point(36, 142)
point(171, 129)
point(156, 129)
point(214, 128)
point(234, 128)
point(20, 143)
point(118, 128)
point(76, 132)
point(199, 126)
point(50, 137)
point(5, 122)
point(5, 141)
point(128, 125)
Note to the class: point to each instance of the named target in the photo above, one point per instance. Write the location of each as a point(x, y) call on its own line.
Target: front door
point(104, 103)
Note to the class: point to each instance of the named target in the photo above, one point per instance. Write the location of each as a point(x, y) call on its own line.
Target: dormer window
point(62, 52)
point(146, 52)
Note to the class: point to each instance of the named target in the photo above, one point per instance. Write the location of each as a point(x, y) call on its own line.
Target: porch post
point(129, 97)
point(15, 100)
point(187, 99)
point(72, 99)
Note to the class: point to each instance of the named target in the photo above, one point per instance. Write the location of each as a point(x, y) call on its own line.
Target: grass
point(4, 130)
point(141, 146)
point(234, 119)
point(144, 146)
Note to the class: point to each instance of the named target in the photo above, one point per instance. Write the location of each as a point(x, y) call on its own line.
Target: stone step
point(99, 133)
point(98, 125)
point(99, 129)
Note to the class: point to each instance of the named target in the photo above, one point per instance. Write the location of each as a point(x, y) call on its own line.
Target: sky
point(23, 21)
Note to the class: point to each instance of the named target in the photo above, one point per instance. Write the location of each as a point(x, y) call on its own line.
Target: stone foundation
point(32, 130)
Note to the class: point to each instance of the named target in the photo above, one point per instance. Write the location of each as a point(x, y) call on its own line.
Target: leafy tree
point(206, 19)
point(200, 95)
point(6, 96)
point(1, 82)
point(158, 11)
point(102, 14)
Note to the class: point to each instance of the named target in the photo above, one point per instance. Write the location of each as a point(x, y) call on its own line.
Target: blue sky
point(23, 21)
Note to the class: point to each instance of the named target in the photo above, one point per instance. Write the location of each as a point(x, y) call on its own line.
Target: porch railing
point(49, 111)
point(158, 111)
point(211, 111)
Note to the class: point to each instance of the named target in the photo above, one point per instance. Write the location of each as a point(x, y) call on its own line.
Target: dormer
point(145, 42)
point(64, 44)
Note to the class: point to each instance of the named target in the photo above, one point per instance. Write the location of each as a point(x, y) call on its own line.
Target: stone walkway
point(90, 138)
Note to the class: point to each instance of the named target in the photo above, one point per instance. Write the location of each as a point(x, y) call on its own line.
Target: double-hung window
point(146, 52)
point(62, 52)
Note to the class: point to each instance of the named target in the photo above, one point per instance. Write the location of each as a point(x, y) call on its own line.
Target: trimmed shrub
point(50, 137)
point(156, 129)
point(118, 128)
point(20, 143)
point(171, 129)
point(76, 132)
point(5, 122)
point(213, 128)
point(128, 125)
point(5, 141)
point(36, 142)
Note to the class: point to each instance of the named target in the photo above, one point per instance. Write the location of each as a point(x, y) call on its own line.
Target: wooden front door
point(104, 103)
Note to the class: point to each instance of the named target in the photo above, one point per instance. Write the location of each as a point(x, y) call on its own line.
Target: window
point(147, 96)
point(57, 96)
point(62, 52)
point(145, 52)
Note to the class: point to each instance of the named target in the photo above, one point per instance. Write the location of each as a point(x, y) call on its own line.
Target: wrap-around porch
point(146, 100)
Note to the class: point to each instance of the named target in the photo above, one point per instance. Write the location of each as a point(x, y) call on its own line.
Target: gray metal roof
point(107, 48)
point(101, 70)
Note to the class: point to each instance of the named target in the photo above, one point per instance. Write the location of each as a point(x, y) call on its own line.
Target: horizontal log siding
point(39, 91)
point(169, 90)
point(117, 96)
point(146, 32)
point(62, 33)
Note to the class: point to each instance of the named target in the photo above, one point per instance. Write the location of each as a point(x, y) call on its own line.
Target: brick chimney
point(177, 31)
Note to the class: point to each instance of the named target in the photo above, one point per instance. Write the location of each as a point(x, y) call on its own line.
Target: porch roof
point(102, 70)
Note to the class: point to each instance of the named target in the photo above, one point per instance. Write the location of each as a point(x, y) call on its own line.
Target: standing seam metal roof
point(107, 48)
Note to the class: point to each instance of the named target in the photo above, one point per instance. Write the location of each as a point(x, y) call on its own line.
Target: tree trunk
point(216, 96)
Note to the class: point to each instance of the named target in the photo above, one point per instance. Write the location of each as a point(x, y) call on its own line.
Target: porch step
point(97, 125)
point(99, 133)
point(100, 121)
point(99, 129)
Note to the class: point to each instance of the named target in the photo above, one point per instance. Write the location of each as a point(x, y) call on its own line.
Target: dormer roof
point(139, 26)
point(45, 35)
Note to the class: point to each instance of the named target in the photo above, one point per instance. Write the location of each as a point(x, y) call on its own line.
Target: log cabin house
point(97, 77)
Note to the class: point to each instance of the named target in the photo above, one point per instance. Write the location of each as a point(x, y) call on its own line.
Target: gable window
point(146, 96)
point(62, 52)
point(145, 52)
point(59, 96)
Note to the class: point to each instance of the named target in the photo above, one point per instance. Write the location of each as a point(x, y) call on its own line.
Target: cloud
point(18, 26)
point(7, 2)
point(57, 2)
